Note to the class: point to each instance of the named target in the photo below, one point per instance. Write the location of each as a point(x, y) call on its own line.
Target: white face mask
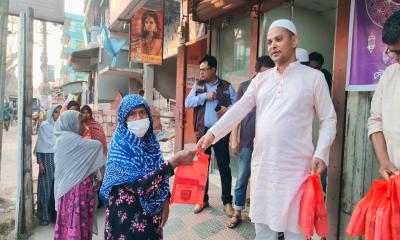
point(139, 127)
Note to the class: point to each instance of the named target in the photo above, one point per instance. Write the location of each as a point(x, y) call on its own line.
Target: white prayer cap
point(302, 55)
point(284, 23)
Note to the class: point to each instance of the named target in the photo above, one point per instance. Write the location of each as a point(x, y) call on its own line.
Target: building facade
point(72, 40)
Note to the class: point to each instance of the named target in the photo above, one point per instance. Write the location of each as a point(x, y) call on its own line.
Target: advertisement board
point(146, 37)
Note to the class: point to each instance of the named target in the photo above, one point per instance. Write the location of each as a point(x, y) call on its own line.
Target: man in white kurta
point(287, 97)
point(384, 123)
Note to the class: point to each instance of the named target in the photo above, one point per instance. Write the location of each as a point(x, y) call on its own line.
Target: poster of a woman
point(146, 36)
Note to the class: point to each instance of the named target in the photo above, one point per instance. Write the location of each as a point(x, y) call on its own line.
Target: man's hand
point(318, 166)
point(211, 96)
point(235, 146)
point(41, 168)
point(165, 213)
point(205, 141)
point(387, 169)
point(221, 112)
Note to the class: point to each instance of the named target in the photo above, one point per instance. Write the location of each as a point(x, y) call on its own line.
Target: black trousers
point(221, 150)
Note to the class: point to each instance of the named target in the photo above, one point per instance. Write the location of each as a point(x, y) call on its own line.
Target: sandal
point(235, 221)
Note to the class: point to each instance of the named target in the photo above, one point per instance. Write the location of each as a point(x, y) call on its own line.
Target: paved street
point(8, 177)
point(183, 224)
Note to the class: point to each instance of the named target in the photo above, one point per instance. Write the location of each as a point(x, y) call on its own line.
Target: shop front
point(236, 32)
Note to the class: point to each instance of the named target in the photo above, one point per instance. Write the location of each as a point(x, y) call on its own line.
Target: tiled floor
point(182, 223)
point(209, 224)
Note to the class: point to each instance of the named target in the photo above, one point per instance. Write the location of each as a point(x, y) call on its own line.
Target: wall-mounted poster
point(367, 59)
point(146, 36)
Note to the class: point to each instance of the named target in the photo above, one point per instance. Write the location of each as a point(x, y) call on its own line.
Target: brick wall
point(107, 117)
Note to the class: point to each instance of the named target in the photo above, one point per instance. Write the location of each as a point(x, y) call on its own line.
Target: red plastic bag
point(307, 209)
point(321, 215)
point(395, 205)
point(190, 181)
point(383, 216)
point(356, 225)
point(370, 222)
point(313, 212)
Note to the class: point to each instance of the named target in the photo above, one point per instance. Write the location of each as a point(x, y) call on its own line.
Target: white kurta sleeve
point(236, 113)
point(375, 120)
point(327, 116)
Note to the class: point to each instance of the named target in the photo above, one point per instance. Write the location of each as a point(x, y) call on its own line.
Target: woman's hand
point(183, 157)
point(165, 213)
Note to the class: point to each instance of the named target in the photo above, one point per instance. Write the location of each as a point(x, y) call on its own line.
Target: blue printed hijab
point(131, 158)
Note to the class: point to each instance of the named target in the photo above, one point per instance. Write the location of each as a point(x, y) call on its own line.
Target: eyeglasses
point(204, 69)
point(392, 53)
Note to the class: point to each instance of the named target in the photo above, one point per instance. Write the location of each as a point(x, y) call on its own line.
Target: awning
point(204, 10)
point(136, 74)
point(121, 12)
point(72, 87)
point(84, 60)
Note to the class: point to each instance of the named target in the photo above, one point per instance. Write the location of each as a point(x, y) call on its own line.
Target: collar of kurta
point(291, 66)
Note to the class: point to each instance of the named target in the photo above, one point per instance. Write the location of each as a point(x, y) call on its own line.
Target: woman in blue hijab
point(135, 188)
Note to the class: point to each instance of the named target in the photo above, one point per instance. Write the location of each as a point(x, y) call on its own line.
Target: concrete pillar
point(44, 67)
point(3, 62)
point(148, 82)
point(84, 96)
point(134, 86)
point(24, 194)
point(181, 74)
point(96, 89)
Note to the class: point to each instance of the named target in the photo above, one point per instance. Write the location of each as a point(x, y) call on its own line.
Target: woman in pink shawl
point(76, 159)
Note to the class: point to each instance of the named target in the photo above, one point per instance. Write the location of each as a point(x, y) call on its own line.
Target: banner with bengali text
point(367, 59)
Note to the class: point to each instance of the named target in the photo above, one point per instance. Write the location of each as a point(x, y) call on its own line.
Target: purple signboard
point(367, 58)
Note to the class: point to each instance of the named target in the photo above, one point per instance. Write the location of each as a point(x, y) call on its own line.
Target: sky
point(74, 6)
point(54, 45)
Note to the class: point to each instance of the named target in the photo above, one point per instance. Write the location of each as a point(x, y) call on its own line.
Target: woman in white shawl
point(44, 150)
point(76, 158)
